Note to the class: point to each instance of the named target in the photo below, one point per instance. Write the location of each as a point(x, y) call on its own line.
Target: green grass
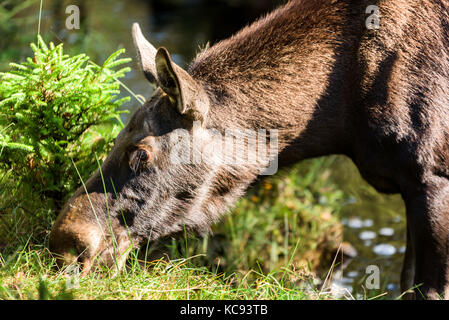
point(31, 274)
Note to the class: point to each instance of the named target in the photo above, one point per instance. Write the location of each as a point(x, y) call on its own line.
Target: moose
point(314, 71)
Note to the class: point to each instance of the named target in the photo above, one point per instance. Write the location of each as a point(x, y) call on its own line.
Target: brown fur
point(312, 70)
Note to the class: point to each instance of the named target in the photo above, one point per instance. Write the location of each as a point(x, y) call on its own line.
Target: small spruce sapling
point(55, 108)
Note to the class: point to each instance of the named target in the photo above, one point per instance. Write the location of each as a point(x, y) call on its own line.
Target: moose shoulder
point(326, 83)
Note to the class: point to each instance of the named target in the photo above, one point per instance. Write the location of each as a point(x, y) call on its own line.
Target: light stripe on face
point(202, 194)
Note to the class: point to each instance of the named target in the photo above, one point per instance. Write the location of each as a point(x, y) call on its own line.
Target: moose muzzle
point(82, 235)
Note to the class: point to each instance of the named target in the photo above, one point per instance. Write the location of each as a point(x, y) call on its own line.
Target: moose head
point(143, 191)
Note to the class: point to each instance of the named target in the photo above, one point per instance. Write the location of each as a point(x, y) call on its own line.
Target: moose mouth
point(95, 253)
point(76, 239)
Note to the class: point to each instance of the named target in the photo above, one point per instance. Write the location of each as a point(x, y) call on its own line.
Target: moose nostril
point(81, 259)
point(65, 259)
point(81, 254)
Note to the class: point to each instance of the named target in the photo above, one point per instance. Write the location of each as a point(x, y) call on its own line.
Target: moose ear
point(184, 91)
point(146, 53)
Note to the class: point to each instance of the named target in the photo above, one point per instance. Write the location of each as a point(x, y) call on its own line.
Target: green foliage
point(12, 27)
point(55, 109)
point(32, 274)
point(267, 224)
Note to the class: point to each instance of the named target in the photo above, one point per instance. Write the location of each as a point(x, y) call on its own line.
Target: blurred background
point(324, 201)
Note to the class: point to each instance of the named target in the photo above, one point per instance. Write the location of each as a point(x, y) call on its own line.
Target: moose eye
point(138, 157)
point(143, 155)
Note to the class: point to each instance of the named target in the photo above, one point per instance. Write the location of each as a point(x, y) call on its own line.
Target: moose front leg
point(428, 238)
point(408, 270)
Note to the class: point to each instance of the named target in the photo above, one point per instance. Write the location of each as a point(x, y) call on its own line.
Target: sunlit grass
point(31, 273)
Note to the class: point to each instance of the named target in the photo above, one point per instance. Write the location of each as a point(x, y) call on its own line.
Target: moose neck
point(284, 75)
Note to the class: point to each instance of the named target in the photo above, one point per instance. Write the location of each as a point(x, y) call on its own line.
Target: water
point(375, 226)
point(374, 223)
